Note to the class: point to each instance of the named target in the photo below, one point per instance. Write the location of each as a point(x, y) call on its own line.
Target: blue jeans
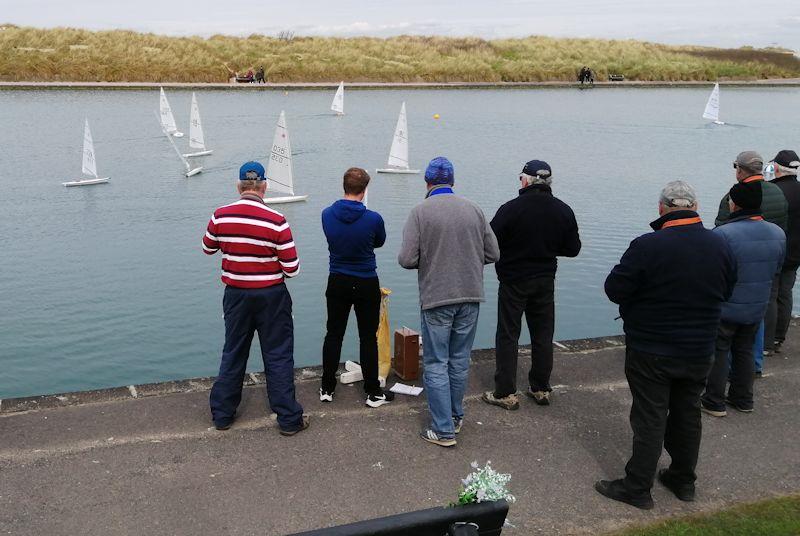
point(268, 311)
point(447, 335)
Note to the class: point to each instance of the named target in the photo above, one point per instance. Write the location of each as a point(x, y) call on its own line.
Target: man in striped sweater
point(257, 254)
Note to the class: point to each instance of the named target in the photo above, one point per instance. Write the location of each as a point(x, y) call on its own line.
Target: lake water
point(107, 285)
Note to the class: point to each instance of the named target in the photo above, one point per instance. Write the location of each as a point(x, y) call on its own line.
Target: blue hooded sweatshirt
point(353, 233)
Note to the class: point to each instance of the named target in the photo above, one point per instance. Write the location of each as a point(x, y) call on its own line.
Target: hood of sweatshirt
point(348, 211)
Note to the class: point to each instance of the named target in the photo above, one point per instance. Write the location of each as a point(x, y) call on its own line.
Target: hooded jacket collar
point(744, 214)
point(676, 219)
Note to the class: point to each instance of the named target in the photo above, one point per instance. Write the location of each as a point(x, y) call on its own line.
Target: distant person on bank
point(786, 164)
point(749, 167)
point(353, 232)
point(759, 248)
point(670, 286)
point(532, 230)
point(257, 254)
point(448, 240)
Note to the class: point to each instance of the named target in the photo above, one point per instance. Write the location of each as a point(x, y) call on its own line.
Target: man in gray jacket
point(448, 240)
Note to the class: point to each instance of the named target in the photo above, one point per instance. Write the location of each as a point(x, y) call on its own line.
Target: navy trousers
point(268, 311)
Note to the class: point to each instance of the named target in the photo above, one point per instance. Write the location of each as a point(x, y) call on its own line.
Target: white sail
point(89, 164)
point(338, 100)
point(196, 140)
point(279, 172)
point(712, 106)
point(398, 155)
point(167, 119)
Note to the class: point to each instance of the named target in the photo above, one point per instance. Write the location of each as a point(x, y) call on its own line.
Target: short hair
point(537, 179)
point(355, 181)
point(250, 185)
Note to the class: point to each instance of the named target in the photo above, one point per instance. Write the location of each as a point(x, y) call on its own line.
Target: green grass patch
point(69, 54)
point(772, 517)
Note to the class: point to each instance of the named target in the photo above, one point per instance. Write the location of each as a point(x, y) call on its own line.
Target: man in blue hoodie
point(759, 248)
point(353, 232)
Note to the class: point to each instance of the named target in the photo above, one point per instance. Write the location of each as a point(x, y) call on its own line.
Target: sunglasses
point(735, 165)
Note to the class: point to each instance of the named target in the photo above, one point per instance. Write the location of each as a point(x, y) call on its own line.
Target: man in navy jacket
point(353, 232)
point(670, 286)
point(759, 248)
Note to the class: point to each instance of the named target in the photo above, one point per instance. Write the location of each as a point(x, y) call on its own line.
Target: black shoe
point(304, 423)
point(684, 492)
point(615, 489)
point(225, 425)
point(777, 347)
point(379, 399)
point(739, 407)
point(758, 375)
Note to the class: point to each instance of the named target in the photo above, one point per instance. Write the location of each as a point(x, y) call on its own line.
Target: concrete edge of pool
point(134, 391)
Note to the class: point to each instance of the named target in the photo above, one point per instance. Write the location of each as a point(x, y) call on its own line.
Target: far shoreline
point(283, 86)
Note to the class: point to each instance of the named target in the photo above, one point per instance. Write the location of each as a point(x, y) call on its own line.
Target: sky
point(723, 23)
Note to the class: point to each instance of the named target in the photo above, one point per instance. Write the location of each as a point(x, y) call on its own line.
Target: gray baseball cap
point(678, 194)
point(749, 160)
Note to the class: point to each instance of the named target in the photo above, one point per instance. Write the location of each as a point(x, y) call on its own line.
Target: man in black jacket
point(670, 286)
point(779, 313)
point(532, 230)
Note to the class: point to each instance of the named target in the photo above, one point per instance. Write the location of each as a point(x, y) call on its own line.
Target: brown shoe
point(510, 402)
point(542, 398)
point(305, 422)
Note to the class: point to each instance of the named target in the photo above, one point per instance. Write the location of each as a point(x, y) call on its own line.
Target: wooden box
point(406, 354)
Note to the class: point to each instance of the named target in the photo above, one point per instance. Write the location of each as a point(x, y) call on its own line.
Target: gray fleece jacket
point(448, 240)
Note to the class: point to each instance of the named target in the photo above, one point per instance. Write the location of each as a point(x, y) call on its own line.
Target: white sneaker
point(376, 401)
point(325, 396)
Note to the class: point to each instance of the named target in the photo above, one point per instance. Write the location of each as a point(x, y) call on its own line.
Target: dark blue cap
point(537, 168)
point(440, 171)
point(251, 171)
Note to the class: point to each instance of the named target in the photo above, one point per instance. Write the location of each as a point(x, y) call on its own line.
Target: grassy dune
point(66, 54)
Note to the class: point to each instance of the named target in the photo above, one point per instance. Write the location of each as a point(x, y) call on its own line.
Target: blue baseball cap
point(252, 171)
point(440, 171)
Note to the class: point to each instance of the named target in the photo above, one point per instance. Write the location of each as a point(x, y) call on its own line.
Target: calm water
point(107, 285)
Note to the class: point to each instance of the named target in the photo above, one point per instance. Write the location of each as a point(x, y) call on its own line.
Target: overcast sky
point(725, 23)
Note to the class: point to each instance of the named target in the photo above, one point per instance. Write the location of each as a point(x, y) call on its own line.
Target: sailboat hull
point(199, 153)
point(86, 182)
point(398, 171)
point(194, 171)
point(280, 200)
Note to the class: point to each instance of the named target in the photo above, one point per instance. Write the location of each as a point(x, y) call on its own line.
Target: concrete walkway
point(772, 82)
point(108, 463)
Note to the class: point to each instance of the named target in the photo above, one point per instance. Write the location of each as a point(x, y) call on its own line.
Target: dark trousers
point(782, 305)
point(534, 298)
point(771, 316)
point(364, 295)
point(666, 410)
point(736, 341)
point(268, 311)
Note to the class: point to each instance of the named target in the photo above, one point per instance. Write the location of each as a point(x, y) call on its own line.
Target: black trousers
point(735, 340)
point(771, 316)
point(666, 410)
point(783, 303)
point(534, 298)
point(364, 295)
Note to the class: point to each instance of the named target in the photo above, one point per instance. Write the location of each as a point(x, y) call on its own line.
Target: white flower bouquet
point(485, 484)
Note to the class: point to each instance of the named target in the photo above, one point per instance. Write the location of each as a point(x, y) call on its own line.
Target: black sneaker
point(758, 375)
point(615, 489)
point(739, 407)
point(377, 400)
point(225, 425)
point(684, 492)
point(777, 347)
point(325, 396)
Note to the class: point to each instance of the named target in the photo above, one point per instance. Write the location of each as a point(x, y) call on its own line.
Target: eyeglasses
point(735, 165)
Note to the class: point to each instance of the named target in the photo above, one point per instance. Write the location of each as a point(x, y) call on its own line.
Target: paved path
point(780, 82)
point(107, 463)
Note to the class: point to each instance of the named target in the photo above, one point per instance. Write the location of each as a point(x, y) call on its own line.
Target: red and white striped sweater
point(256, 243)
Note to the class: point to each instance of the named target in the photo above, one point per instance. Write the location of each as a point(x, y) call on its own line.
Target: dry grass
point(67, 54)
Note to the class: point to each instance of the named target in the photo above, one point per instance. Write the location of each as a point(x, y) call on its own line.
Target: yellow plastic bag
point(384, 338)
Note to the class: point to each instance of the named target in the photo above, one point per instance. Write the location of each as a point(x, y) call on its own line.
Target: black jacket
point(532, 230)
point(670, 286)
point(791, 191)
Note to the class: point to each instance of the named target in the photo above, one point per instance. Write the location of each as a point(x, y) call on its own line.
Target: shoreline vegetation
point(74, 55)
